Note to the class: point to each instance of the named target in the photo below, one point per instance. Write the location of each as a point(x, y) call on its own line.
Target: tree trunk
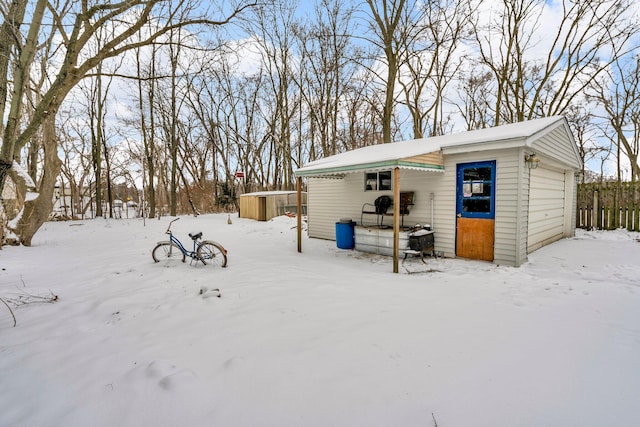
point(37, 210)
point(150, 149)
point(147, 138)
point(174, 52)
point(387, 16)
point(13, 17)
point(107, 164)
point(96, 157)
point(5, 166)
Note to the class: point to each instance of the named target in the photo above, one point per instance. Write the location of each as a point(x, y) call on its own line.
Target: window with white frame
point(377, 181)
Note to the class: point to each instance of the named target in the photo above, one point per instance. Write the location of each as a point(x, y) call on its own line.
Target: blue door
point(475, 210)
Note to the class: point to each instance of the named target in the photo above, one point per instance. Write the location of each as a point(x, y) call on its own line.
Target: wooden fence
point(609, 205)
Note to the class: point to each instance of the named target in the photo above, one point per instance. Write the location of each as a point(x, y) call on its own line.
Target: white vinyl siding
point(445, 210)
point(323, 196)
point(546, 207)
point(557, 146)
point(511, 195)
point(507, 251)
point(423, 184)
point(329, 200)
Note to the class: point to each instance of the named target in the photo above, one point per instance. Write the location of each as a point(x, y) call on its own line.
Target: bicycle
point(207, 251)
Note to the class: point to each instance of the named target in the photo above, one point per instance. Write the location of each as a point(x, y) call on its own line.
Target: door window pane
point(477, 188)
point(476, 205)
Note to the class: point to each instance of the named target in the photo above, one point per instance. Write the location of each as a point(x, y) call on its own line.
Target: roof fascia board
point(542, 132)
point(574, 146)
point(572, 142)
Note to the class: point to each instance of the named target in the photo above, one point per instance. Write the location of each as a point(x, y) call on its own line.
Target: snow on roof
point(386, 155)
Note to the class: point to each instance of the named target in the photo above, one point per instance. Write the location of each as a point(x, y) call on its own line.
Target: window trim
point(460, 189)
point(378, 180)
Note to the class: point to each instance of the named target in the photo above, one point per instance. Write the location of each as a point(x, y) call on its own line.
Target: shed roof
point(425, 153)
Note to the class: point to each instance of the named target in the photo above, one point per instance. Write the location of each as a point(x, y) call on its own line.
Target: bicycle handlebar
point(169, 226)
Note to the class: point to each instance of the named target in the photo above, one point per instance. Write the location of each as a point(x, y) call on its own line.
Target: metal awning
point(431, 162)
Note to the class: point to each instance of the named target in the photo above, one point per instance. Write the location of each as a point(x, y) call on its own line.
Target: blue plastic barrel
point(344, 234)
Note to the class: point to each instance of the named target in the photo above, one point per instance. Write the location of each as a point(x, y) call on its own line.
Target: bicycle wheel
point(167, 253)
point(212, 253)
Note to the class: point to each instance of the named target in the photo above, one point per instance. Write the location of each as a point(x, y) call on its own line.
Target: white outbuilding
point(493, 194)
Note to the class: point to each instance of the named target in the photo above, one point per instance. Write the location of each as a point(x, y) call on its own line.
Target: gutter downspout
point(299, 211)
point(432, 197)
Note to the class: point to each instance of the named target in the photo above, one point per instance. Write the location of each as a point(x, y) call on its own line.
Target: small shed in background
point(264, 205)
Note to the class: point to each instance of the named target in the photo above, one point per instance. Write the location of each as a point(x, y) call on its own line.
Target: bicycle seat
point(195, 236)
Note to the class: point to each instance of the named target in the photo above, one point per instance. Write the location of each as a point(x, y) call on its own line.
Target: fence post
point(616, 200)
point(608, 205)
point(636, 211)
point(596, 211)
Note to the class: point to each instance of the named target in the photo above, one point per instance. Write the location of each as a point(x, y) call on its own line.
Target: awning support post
point(396, 217)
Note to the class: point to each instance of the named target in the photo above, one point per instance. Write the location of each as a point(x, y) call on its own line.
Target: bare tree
point(476, 94)
point(328, 65)
point(97, 98)
point(145, 92)
point(274, 32)
point(75, 143)
point(78, 54)
point(618, 93)
point(387, 23)
point(581, 121)
point(534, 79)
point(430, 61)
point(361, 113)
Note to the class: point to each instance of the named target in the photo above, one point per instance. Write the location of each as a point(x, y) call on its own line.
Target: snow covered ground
point(326, 337)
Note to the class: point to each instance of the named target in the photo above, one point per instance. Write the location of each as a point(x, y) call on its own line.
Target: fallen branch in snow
point(428, 270)
point(10, 311)
point(435, 423)
point(26, 298)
